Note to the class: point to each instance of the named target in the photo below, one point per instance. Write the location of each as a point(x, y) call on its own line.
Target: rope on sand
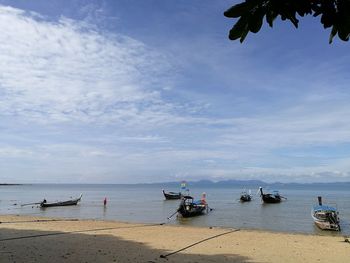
point(201, 241)
point(78, 231)
point(38, 221)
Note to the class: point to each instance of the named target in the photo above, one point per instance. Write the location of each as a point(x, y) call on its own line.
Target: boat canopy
point(324, 208)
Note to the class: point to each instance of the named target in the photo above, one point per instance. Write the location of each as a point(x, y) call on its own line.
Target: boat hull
point(327, 225)
point(245, 198)
point(62, 203)
point(270, 199)
point(190, 211)
point(172, 195)
point(326, 219)
point(66, 203)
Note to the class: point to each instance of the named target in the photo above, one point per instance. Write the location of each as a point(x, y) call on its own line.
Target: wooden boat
point(245, 197)
point(171, 195)
point(188, 207)
point(325, 217)
point(44, 203)
point(271, 198)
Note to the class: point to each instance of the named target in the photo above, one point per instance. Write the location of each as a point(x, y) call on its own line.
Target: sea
point(145, 204)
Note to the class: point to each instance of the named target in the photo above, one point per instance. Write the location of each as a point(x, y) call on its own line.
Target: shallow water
point(145, 203)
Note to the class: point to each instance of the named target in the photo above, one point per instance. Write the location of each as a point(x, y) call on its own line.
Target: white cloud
point(65, 70)
point(310, 125)
point(14, 152)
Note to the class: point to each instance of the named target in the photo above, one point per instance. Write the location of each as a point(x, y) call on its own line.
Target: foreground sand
point(32, 239)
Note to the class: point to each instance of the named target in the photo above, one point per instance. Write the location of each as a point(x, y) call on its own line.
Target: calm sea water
point(146, 204)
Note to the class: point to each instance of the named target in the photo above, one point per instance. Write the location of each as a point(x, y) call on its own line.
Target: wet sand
point(37, 239)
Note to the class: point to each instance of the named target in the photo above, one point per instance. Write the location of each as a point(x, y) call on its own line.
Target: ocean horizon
point(219, 183)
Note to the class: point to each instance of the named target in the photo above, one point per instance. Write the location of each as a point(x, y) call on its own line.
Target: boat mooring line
point(78, 231)
point(201, 241)
point(38, 221)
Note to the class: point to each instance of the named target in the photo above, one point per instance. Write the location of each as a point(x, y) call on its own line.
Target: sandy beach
point(37, 239)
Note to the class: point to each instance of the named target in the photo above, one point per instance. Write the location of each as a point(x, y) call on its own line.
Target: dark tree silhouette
point(250, 14)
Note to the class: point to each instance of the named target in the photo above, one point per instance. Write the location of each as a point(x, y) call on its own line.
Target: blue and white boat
point(325, 217)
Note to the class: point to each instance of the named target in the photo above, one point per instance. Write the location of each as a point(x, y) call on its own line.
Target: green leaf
point(256, 20)
point(237, 10)
point(270, 17)
point(343, 20)
point(239, 28)
point(332, 34)
point(244, 34)
point(303, 7)
point(327, 20)
point(343, 33)
point(294, 21)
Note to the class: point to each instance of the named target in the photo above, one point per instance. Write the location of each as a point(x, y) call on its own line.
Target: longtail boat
point(177, 195)
point(75, 201)
point(188, 207)
point(325, 217)
point(245, 196)
point(272, 198)
point(172, 195)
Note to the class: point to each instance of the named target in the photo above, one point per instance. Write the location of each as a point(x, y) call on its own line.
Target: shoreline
point(44, 239)
point(168, 223)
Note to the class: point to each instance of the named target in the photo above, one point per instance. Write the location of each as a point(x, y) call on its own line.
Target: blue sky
point(152, 91)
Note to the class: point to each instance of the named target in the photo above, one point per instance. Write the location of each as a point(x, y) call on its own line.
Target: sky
point(141, 91)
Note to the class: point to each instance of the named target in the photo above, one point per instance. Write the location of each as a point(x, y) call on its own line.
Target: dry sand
point(32, 239)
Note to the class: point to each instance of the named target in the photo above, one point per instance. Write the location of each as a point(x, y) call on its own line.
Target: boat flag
point(203, 199)
point(183, 185)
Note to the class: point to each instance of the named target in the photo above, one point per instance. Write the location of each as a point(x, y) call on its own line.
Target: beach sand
point(33, 239)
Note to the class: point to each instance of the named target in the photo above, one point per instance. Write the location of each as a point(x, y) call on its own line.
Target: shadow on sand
point(80, 247)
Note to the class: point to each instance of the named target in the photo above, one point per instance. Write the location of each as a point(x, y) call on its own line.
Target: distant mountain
point(228, 183)
point(257, 183)
point(211, 183)
point(333, 185)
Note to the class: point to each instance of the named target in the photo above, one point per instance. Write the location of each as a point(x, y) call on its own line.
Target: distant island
point(252, 183)
point(10, 184)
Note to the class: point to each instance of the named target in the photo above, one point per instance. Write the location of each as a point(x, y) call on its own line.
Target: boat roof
point(324, 208)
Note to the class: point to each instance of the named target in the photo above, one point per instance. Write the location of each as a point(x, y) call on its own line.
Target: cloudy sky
point(132, 91)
